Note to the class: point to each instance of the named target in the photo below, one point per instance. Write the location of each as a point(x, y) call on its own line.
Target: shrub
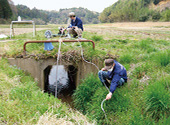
point(157, 101)
point(143, 18)
point(85, 91)
point(156, 16)
point(165, 15)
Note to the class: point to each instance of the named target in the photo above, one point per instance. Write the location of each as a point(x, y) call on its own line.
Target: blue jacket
point(77, 23)
point(116, 74)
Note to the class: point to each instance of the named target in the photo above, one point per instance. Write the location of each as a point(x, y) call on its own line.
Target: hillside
point(136, 10)
point(10, 12)
point(56, 17)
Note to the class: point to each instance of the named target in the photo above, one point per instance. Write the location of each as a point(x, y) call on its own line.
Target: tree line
point(8, 12)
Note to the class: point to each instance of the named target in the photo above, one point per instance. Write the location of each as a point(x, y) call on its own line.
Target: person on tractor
point(76, 26)
point(115, 72)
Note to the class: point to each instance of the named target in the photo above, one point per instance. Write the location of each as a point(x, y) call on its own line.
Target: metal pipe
point(48, 41)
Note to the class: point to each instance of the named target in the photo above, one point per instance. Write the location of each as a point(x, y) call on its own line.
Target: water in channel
point(65, 81)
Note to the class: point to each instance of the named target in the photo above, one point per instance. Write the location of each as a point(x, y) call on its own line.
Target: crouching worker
point(76, 26)
point(114, 72)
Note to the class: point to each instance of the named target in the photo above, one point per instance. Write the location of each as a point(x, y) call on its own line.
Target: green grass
point(96, 38)
point(163, 58)
point(157, 101)
point(126, 58)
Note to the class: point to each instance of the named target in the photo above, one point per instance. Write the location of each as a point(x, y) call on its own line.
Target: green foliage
point(157, 101)
point(146, 2)
point(143, 18)
point(126, 10)
point(132, 10)
point(156, 16)
point(5, 9)
point(165, 15)
point(56, 17)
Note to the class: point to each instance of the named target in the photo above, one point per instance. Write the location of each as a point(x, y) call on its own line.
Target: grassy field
point(144, 51)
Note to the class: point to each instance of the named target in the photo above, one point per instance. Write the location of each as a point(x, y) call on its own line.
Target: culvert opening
point(65, 81)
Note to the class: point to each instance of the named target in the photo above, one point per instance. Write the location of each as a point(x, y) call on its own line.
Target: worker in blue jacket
point(76, 26)
point(115, 72)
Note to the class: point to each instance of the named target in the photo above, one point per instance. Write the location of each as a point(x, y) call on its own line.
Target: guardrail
point(48, 41)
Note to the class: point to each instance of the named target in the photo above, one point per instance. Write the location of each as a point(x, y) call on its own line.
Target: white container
point(19, 18)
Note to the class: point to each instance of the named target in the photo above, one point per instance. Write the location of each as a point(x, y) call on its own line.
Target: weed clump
point(157, 101)
point(85, 91)
point(118, 103)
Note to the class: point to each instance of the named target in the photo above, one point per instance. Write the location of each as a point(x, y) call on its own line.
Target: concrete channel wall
point(36, 68)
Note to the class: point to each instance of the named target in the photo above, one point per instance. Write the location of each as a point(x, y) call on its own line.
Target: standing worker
point(115, 72)
point(76, 26)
